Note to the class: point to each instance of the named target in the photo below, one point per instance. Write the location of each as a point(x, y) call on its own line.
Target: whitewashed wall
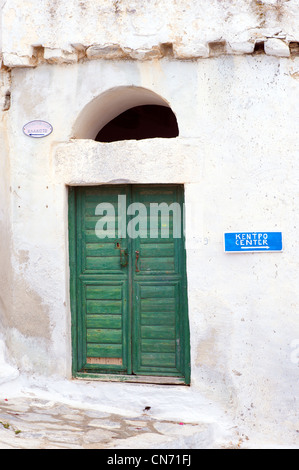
point(68, 30)
point(237, 154)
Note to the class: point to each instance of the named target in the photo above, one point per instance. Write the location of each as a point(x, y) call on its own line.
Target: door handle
point(123, 255)
point(136, 261)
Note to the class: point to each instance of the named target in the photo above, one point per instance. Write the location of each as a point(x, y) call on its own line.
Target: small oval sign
point(37, 129)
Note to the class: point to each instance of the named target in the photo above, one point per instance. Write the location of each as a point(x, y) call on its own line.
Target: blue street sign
point(246, 242)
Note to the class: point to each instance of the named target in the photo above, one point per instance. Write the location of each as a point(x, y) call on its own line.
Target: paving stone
point(133, 430)
point(57, 427)
point(17, 442)
point(6, 446)
point(145, 440)
point(44, 404)
point(176, 429)
point(136, 423)
point(104, 424)
point(32, 417)
point(17, 426)
point(5, 416)
point(96, 414)
point(97, 435)
point(63, 437)
point(47, 425)
point(73, 417)
point(61, 446)
point(16, 406)
point(32, 435)
point(54, 410)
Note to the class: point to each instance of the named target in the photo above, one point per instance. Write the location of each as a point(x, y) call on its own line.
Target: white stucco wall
point(66, 30)
point(236, 154)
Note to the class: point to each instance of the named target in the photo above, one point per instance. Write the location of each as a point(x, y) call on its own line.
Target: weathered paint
point(129, 309)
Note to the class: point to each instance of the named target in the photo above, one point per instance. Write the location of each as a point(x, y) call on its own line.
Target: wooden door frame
point(75, 311)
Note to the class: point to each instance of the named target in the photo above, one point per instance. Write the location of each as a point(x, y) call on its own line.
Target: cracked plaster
point(67, 32)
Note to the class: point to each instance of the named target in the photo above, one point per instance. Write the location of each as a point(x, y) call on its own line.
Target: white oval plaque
point(37, 129)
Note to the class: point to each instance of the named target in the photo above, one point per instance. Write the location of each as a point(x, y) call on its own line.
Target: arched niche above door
point(123, 105)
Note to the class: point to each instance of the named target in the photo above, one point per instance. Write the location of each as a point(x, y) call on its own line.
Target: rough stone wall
point(68, 31)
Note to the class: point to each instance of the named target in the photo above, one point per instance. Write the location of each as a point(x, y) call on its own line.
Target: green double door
point(128, 283)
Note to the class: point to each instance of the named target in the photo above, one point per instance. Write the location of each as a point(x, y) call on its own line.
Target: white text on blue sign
point(252, 241)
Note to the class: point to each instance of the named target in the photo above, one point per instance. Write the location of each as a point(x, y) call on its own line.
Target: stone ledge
point(85, 161)
point(272, 46)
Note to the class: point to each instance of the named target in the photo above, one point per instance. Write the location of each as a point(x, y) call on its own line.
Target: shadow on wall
point(140, 122)
point(126, 113)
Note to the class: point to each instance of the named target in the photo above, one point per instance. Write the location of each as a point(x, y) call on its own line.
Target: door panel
point(101, 255)
point(129, 294)
point(157, 332)
point(103, 304)
point(156, 279)
point(105, 325)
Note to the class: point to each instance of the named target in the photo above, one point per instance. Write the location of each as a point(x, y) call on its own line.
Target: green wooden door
point(128, 282)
